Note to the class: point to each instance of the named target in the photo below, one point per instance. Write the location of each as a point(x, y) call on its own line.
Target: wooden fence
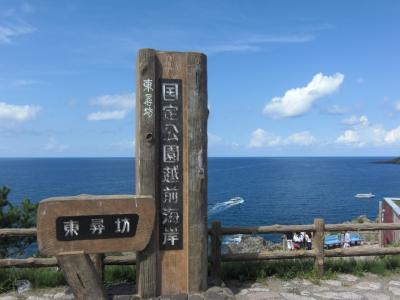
point(217, 232)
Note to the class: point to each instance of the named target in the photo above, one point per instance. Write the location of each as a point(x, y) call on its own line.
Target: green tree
point(15, 216)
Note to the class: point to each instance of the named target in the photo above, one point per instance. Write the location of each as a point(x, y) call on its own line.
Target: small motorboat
point(236, 200)
point(369, 195)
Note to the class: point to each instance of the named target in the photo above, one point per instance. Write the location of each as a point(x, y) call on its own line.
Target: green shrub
point(11, 216)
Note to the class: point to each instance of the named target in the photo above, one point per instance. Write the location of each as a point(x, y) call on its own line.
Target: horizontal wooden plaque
point(95, 224)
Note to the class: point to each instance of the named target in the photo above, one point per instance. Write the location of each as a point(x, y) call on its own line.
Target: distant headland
point(395, 161)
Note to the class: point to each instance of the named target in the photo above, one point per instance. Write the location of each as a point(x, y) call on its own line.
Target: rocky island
point(395, 161)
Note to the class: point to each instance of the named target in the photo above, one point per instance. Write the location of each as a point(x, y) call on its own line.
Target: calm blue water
point(276, 190)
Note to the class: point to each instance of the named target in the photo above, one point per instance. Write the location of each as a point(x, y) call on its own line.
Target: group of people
point(299, 240)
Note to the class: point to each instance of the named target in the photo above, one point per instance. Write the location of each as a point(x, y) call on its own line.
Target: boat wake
point(222, 206)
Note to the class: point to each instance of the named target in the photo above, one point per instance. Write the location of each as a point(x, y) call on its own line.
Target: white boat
point(235, 200)
point(369, 195)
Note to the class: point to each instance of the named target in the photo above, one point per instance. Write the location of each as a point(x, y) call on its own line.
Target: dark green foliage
point(12, 216)
point(120, 274)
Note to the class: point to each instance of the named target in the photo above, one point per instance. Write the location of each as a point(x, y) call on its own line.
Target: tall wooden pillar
point(171, 164)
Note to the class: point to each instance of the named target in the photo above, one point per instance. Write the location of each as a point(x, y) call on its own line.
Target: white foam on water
point(222, 206)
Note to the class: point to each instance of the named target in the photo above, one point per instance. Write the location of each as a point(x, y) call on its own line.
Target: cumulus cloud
point(363, 133)
point(354, 120)
point(116, 101)
point(8, 32)
point(18, 113)
point(298, 101)
point(117, 105)
point(256, 43)
point(54, 146)
point(393, 136)
point(107, 115)
point(261, 138)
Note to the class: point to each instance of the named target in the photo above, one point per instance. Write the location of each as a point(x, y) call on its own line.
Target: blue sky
point(286, 78)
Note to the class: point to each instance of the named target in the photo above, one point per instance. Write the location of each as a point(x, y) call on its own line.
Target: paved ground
point(368, 287)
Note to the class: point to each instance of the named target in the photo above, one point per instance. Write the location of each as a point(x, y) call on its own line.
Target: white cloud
point(8, 32)
point(297, 101)
point(303, 138)
point(213, 138)
point(349, 137)
point(18, 113)
point(354, 120)
point(393, 136)
point(397, 106)
point(107, 115)
point(120, 104)
point(363, 133)
point(261, 138)
point(255, 43)
point(54, 146)
point(116, 101)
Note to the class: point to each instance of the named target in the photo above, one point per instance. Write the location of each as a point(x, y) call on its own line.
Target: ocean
point(275, 190)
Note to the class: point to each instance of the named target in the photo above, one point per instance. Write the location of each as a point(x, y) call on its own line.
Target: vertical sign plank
point(197, 172)
point(147, 146)
point(176, 171)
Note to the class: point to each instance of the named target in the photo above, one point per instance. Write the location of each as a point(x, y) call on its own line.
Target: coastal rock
point(378, 296)
point(339, 295)
point(368, 286)
point(336, 283)
point(394, 290)
point(195, 297)
point(260, 296)
point(8, 298)
point(64, 296)
point(248, 244)
point(290, 296)
point(348, 277)
point(394, 282)
point(210, 295)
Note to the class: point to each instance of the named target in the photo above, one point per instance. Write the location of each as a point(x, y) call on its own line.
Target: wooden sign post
point(73, 227)
point(171, 165)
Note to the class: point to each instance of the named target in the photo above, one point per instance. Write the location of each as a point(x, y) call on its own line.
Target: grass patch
point(304, 268)
point(284, 269)
point(51, 277)
point(119, 274)
point(39, 277)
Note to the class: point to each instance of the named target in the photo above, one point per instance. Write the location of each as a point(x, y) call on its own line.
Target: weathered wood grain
point(147, 170)
point(318, 245)
point(267, 255)
point(198, 170)
point(5, 232)
point(81, 276)
point(267, 229)
point(36, 262)
point(216, 251)
point(361, 251)
point(50, 209)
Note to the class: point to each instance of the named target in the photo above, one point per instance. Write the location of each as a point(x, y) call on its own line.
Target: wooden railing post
point(319, 247)
point(216, 250)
